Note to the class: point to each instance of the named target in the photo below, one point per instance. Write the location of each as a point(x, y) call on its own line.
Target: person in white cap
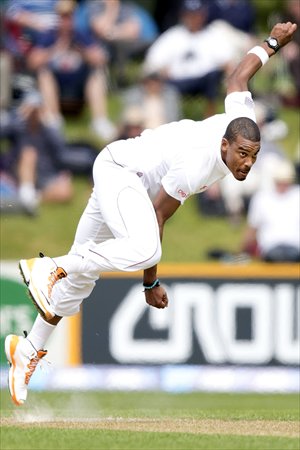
point(273, 232)
point(138, 185)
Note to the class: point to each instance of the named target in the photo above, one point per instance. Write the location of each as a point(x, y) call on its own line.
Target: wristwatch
point(272, 43)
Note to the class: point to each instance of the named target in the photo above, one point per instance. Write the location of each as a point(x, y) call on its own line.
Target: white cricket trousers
point(118, 231)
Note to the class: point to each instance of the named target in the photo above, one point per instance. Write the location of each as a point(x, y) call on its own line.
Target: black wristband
point(147, 287)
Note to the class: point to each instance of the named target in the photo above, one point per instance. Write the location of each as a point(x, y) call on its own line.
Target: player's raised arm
point(281, 34)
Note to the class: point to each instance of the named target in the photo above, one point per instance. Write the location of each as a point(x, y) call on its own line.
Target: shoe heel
point(7, 347)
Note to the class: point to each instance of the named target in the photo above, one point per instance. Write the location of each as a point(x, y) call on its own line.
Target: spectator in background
point(159, 102)
point(69, 67)
point(32, 163)
point(114, 20)
point(127, 28)
point(24, 20)
point(192, 55)
point(273, 233)
point(132, 122)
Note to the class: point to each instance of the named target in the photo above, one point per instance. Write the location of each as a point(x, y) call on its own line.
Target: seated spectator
point(24, 20)
point(69, 67)
point(238, 41)
point(159, 101)
point(127, 28)
point(114, 20)
point(192, 55)
point(32, 163)
point(132, 123)
point(273, 232)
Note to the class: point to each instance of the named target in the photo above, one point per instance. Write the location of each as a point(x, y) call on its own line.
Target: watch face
point(273, 42)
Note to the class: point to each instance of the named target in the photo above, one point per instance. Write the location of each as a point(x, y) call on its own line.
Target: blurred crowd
point(59, 57)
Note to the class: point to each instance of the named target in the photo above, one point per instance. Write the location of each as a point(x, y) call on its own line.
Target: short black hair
point(242, 126)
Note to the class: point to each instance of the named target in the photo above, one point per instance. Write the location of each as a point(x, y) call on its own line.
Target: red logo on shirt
point(182, 193)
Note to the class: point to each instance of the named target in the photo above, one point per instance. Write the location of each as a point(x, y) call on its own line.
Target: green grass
point(147, 407)
point(49, 439)
point(52, 231)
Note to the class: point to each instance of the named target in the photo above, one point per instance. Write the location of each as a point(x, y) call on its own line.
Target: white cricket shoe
point(40, 275)
point(23, 359)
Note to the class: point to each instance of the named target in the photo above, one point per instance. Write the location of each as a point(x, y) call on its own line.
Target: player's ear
point(224, 146)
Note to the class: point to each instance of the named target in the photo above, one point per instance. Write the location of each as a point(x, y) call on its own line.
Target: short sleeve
point(240, 104)
point(175, 184)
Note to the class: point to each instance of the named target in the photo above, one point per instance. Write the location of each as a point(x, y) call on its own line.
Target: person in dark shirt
point(34, 160)
point(71, 67)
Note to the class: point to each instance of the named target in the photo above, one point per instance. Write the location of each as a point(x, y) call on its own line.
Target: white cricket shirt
point(276, 217)
point(184, 157)
point(184, 54)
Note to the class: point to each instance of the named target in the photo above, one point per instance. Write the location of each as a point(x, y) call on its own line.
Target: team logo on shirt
point(140, 174)
point(182, 193)
point(203, 188)
point(249, 102)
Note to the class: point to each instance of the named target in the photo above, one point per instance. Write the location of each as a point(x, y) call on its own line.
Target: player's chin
point(240, 175)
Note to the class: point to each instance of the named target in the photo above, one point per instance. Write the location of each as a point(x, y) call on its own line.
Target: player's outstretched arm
point(281, 34)
point(164, 206)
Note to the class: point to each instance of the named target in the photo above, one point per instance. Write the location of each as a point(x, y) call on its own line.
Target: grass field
point(152, 420)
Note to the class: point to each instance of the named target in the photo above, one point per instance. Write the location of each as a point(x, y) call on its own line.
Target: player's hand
point(157, 297)
point(283, 32)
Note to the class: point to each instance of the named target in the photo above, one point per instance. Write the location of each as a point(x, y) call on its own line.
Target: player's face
point(239, 156)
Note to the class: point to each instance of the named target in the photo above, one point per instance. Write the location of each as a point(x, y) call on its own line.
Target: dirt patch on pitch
point(195, 426)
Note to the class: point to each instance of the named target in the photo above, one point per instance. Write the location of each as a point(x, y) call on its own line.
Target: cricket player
point(138, 185)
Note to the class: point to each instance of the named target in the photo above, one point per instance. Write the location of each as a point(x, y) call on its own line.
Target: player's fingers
point(294, 27)
point(165, 302)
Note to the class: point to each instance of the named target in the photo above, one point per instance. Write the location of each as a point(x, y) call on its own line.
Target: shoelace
point(55, 276)
point(33, 363)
